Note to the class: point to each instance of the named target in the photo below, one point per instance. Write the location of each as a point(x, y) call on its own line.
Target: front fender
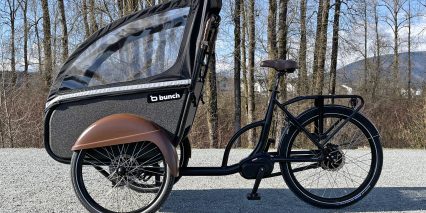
point(127, 128)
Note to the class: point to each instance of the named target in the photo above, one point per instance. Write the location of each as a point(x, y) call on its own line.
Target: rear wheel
point(104, 179)
point(351, 161)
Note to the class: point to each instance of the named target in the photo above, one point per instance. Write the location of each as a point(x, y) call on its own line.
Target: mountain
point(353, 73)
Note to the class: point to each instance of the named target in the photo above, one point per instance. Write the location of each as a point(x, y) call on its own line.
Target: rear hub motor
point(334, 158)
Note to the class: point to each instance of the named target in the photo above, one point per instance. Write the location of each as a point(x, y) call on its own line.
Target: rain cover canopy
point(129, 53)
point(150, 46)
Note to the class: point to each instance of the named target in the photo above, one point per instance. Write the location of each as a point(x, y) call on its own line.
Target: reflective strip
point(118, 89)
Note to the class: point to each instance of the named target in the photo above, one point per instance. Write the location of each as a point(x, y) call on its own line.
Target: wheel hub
point(123, 169)
point(334, 158)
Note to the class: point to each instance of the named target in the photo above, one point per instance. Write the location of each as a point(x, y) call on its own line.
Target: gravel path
point(30, 181)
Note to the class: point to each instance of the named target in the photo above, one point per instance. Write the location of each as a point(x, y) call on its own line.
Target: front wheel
point(351, 161)
point(105, 178)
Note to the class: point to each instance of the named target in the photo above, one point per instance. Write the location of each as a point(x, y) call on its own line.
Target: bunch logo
point(166, 96)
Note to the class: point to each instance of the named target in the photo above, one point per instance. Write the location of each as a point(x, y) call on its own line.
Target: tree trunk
point(55, 37)
point(85, 19)
point(395, 65)
point(37, 35)
point(64, 29)
point(319, 85)
point(272, 50)
point(376, 82)
point(251, 70)
point(47, 44)
point(211, 91)
point(12, 16)
point(303, 85)
point(272, 39)
point(317, 44)
point(282, 40)
point(133, 6)
point(409, 52)
point(282, 54)
point(365, 47)
point(93, 23)
point(237, 68)
point(335, 47)
point(120, 5)
point(26, 30)
point(394, 7)
point(161, 49)
point(244, 55)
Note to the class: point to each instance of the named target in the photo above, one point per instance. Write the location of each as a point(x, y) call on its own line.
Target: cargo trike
point(123, 104)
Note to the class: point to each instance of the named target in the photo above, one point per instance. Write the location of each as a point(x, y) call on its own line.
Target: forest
point(372, 48)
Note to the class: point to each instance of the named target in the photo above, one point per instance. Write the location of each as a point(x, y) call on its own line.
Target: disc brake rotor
point(334, 158)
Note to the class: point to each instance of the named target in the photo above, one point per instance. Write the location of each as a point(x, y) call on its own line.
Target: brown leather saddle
point(287, 66)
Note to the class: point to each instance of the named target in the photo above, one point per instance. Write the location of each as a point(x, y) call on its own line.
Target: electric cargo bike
point(122, 106)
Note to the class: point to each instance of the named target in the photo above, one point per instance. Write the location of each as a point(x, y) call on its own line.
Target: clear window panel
point(138, 50)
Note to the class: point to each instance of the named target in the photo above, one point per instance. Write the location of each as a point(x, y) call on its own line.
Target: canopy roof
point(148, 47)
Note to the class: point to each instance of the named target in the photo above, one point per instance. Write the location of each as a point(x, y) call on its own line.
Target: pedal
point(254, 195)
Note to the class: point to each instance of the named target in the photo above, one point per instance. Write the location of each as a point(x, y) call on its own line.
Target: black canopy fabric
point(158, 44)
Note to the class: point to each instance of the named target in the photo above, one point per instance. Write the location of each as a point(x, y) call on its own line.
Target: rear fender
point(124, 129)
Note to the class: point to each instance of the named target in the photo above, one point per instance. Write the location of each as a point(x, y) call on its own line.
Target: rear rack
point(356, 102)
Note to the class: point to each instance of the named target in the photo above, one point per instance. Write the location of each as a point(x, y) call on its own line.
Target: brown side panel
point(127, 128)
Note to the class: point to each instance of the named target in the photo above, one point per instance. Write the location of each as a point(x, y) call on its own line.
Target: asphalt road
point(30, 181)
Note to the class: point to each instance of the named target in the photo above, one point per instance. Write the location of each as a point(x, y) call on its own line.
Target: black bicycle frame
point(320, 138)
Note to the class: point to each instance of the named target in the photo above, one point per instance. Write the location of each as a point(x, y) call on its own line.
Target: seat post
point(277, 81)
point(268, 116)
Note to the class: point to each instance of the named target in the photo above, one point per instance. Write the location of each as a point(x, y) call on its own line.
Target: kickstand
point(254, 195)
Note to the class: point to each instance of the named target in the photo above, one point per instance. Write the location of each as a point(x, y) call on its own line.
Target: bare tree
point(120, 5)
point(365, 17)
point(272, 39)
point(47, 44)
point(282, 39)
point(376, 78)
point(303, 84)
point(394, 8)
point(282, 54)
point(37, 35)
point(317, 43)
point(133, 5)
point(410, 68)
point(64, 28)
point(92, 15)
point(244, 53)
point(237, 66)
point(24, 6)
point(251, 70)
point(12, 7)
point(211, 95)
point(322, 48)
point(85, 19)
point(335, 47)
